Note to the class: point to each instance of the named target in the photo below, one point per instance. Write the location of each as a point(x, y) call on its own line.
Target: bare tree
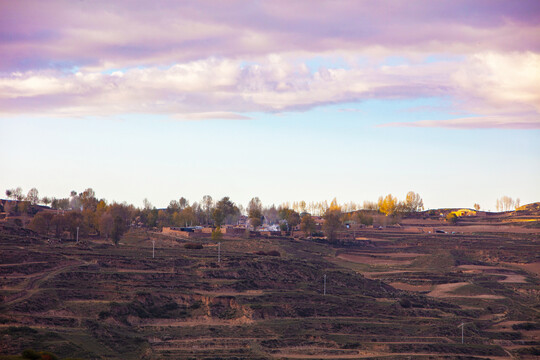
point(183, 202)
point(413, 202)
point(147, 204)
point(33, 196)
point(505, 203)
point(17, 194)
point(207, 206)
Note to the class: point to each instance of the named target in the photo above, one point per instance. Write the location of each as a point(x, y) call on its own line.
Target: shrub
point(452, 218)
point(268, 253)
point(526, 326)
point(406, 303)
point(217, 234)
point(31, 354)
point(193, 246)
point(45, 355)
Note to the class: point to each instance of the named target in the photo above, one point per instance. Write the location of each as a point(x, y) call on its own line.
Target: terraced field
point(388, 295)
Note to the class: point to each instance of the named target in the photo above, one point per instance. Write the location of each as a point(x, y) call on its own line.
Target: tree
point(216, 234)
point(370, 205)
point(118, 229)
point(307, 225)
point(41, 223)
point(183, 202)
point(228, 209)
point(23, 207)
point(476, 207)
point(88, 199)
point(185, 217)
point(505, 203)
point(174, 206)
point(452, 218)
point(207, 205)
point(106, 222)
point(388, 205)
point(17, 194)
point(218, 216)
point(362, 218)
point(147, 205)
point(58, 222)
point(413, 202)
point(271, 214)
point(60, 204)
point(74, 201)
point(254, 209)
point(332, 221)
point(74, 220)
point(90, 221)
point(9, 193)
point(291, 217)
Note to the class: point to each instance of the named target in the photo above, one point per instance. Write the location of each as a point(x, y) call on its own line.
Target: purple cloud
point(516, 122)
point(35, 35)
point(206, 59)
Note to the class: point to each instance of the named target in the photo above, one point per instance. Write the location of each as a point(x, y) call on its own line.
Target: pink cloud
point(207, 59)
point(489, 85)
point(517, 122)
point(63, 34)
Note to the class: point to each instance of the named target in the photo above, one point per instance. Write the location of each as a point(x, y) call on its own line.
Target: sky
point(284, 100)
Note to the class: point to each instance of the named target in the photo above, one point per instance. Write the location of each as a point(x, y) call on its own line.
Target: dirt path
point(367, 355)
point(370, 354)
point(494, 270)
point(26, 263)
point(231, 293)
point(369, 260)
point(514, 279)
point(32, 285)
point(372, 274)
point(445, 291)
point(532, 267)
point(409, 287)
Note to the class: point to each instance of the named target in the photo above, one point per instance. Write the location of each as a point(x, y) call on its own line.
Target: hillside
point(388, 294)
point(531, 209)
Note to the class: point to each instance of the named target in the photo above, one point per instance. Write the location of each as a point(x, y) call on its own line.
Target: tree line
point(86, 214)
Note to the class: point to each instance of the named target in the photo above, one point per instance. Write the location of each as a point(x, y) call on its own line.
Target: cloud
point(517, 122)
point(205, 59)
point(498, 88)
point(103, 34)
point(215, 115)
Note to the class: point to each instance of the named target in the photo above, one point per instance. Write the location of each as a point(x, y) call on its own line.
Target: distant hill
point(533, 208)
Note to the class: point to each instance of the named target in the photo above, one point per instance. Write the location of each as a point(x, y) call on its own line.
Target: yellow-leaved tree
point(388, 205)
point(332, 221)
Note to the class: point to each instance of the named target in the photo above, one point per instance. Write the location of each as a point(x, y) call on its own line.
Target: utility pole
point(324, 284)
point(153, 248)
point(462, 326)
point(77, 234)
point(219, 252)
